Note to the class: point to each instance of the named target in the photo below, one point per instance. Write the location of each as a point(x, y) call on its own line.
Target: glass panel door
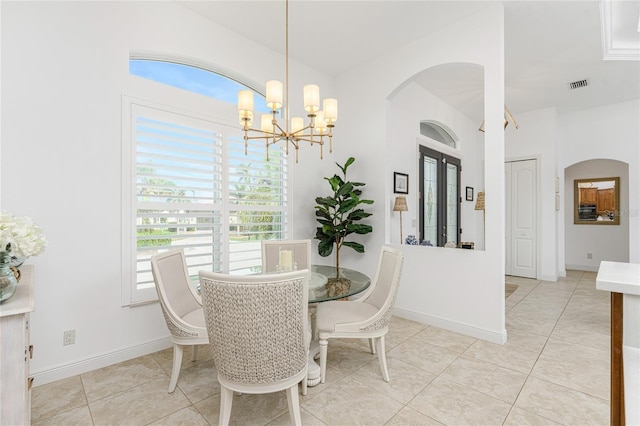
point(440, 198)
point(452, 203)
point(430, 182)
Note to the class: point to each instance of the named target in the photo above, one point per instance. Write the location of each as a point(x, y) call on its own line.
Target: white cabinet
point(16, 352)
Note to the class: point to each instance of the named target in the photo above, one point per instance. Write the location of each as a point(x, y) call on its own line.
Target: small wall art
point(469, 193)
point(400, 183)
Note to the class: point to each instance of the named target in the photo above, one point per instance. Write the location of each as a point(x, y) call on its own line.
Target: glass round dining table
point(323, 288)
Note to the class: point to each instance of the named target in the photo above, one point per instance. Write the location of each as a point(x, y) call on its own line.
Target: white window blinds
point(192, 187)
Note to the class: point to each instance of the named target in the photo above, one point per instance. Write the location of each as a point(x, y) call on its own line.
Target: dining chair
point(285, 255)
point(367, 317)
point(258, 333)
point(181, 307)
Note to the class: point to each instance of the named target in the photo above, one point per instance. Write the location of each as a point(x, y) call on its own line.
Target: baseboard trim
point(582, 268)
point(456, 327)
point(550, 278)
point(83, 366)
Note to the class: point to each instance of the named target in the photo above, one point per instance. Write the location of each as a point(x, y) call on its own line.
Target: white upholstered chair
point(271, 255)
point(258, 333)
point(365, 318)
point(181, 306)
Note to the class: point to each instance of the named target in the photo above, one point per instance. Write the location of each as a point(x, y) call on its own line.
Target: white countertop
point(619, 277)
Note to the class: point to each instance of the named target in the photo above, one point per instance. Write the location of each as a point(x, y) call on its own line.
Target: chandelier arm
point(308, 138)
point(299, 132)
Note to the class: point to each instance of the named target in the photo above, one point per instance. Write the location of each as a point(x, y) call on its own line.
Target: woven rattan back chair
point(365, 318)
point(258, 333)
point(181, 306)
point(285, 255)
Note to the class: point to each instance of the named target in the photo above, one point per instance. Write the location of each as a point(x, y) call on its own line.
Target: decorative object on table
point(400, 205)
point(470, 245)
point(20, 239)
point(450, 244)
point(411, 240)
point(469, 193)
point(285, 255)
point(321, 121)
point(339, 216)
point(400, 183)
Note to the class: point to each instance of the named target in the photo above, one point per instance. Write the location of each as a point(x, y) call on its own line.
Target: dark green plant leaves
point(337, 214)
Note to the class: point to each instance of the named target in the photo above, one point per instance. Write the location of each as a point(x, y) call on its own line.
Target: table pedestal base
point(313, 375)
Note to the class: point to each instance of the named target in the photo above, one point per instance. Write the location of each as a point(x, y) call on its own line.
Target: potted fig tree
point(339, 216)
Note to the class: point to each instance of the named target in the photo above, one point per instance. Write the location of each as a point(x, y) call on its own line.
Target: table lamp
point(400, 205)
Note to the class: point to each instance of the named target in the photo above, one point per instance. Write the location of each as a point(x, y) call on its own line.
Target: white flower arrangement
point(20, 236)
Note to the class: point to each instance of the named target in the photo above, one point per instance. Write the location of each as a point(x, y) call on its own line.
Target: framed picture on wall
point(469, 193)
point(400, 183)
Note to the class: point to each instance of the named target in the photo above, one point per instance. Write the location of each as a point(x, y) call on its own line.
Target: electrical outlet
point(69, 337)
point(589, 255)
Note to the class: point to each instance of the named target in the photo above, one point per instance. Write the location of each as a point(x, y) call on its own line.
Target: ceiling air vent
point(578, 84)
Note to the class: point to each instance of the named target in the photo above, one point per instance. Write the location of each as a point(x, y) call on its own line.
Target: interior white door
point(521, 206)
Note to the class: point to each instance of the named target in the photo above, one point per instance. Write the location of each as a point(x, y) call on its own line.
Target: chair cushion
point(195, 318)
point(328, 314)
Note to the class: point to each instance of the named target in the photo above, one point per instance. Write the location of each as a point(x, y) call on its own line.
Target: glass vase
point(8, 281)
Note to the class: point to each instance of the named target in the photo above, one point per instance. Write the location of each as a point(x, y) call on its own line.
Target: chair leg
point(382, 357)
point(323, 358)
point(304, 383)
point(372, 346)
point(294, 405)
point(177, 363)
point(226, 401)
point(194, 353)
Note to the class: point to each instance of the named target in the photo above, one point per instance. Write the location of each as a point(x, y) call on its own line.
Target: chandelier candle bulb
point(297, 123)
point(311, 98)
point(320, 124)
point(274, 94)
point(266, 124)
point(245, 102)
point(245, 117)
point(330, 108)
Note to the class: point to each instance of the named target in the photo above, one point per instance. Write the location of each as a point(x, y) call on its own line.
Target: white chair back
point(174, 288)
point(257, 325)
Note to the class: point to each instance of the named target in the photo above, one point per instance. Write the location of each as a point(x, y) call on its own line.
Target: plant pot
point(338, 286)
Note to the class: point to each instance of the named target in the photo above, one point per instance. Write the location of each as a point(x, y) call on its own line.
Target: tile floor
point(554, 369)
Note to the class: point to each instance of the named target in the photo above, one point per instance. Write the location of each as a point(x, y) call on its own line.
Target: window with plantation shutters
point(187, 183)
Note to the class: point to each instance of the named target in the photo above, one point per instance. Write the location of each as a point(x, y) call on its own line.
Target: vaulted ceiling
point(548, 44)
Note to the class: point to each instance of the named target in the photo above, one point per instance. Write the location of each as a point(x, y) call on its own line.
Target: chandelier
point(321, 121)
point(506, 120)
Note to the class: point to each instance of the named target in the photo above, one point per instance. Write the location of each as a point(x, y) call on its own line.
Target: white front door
point(521, 214)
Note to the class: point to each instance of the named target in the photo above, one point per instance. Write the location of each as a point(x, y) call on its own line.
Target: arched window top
point(192, 78)
point(438, 132)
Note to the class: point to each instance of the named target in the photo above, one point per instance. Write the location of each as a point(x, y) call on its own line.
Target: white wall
point(610, 132)
point(604, 242)
point(536, 139)
point(407, 107)
point(64, 72)
point(462, 290)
